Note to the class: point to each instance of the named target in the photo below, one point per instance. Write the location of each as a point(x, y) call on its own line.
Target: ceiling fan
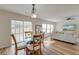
point(72, 18)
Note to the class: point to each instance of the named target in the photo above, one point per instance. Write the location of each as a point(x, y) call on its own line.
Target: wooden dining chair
point(35, 46)
point(18, 46)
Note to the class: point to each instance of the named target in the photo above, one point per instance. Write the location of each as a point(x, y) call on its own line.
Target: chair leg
point(16, 52)
point(40, 53)
point(43, 44)
point(26, 49)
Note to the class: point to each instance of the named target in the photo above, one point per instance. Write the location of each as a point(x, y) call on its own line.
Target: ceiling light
point(33, 11)
point(34, 16)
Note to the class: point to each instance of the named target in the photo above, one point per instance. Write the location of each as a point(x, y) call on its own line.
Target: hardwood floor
point(53, 47)
point(64, 48)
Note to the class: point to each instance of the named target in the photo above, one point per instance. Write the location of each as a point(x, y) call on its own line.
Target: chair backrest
point(37, 40)
point(14, 39)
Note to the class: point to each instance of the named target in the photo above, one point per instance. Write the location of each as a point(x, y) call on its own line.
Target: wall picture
point(69, 27)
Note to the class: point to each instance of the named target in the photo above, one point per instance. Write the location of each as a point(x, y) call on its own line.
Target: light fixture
point(33, 15)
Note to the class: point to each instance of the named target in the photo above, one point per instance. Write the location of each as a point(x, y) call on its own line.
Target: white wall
point(5, 27)
point(4, 32)
point(59, 26)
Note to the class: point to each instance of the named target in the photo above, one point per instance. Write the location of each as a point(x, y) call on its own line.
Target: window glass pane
point(21, 37)
point(25, 29)
point(25, 24)
point(44, 30)
point(48, 26)
point(48, 30)
point(17, 30)
point(13, 31)
point(28, 25)
point(17, 38)
point(17, 24)
point(52, 28)
point(21, 27)
point(13, 22)
point(43, 25)
point(13, 26)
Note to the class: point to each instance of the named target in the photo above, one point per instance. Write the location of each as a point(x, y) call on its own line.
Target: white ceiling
point(51, 12)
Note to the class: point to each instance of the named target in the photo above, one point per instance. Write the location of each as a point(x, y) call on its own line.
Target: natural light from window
point(18, 28)
point(47, 28)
